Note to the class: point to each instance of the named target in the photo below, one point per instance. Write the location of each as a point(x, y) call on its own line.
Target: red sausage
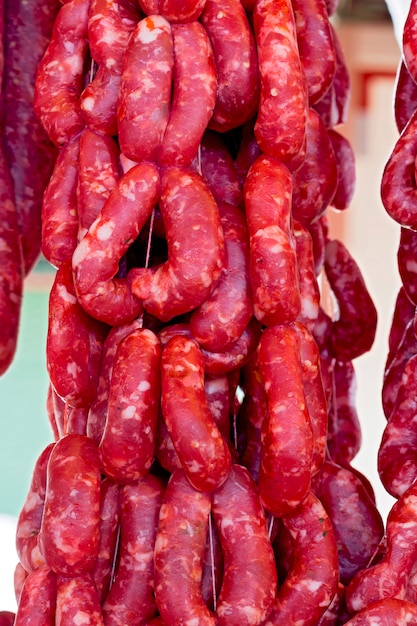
point(346, 172)
point(403, 313)
point(191, 219)
point(110, 25)
point(273, 263)
point(131, 597)
point(145, 89)
point(174, 10)
point(60, 207)
point(249, 578)
point(30, 516)
point(203, 452)
point(179, 553)
point(405, 102)
point(280, 127)
point(37, 601)
point(194, 94)
point(316, 46)
point(77, 602)
point(7, 618)
point(30, 154)
point(102, 572)
point(307, 280)
point(406, 254)
point(287, 438)
point(96, 259)
point(385, 613)
point(74, 343)
point(60, 74)
point(221, 319)
point(128, 442)
point(234, 49)
point(409, 39)
point(313, 578)
point(98, 173)
point(359, 533)
point(314, 183)
point(406, 348)
point(69, 533)
point(353, 333)
point(219, 170)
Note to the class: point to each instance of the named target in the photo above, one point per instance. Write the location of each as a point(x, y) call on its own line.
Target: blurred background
point(372, 54)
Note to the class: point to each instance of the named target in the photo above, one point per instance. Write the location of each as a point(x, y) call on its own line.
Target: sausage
point(314, 393)
point(248, 151)
point(60, 74)
point(405, 96)
point(174, 11)
point(221, 319)
point(98, 409)
point(346, 171)
point(218, 169)
point(30, 516)
point(394, 371)
point(389, 577)
point(12, 268)
point(203, 452)
point(98, 173)
point(287, 437)
point(273, 268)
point(353, 333)
point(385, 612)
point(60, 218)
point(281, 121)
point(312, 580)
point(397, 462)
point(37, 601)
point(403, 313)
point(30, 154)
point(409, 37)
point(358, 534)
point(110, 25)
point(145, 89)
point(96, 259)
point(128, 442)
point(316, 46)
point(131, 597)
point(191, 219)
point(102, 571)
point(234, 50)
point(406, 252)
point(74, 343)
point(249, 578)
point(307, 280)
point(193, 97)
point(69, 532)
point(77, 601)
point(397, 183)
point(7, 618)
point(344, 435)
point(179, 553)
point(315, 181)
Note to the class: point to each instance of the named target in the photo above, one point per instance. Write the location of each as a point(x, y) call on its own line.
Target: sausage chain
point(201, 392)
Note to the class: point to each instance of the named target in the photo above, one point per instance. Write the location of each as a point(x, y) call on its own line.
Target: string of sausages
point(202, 388)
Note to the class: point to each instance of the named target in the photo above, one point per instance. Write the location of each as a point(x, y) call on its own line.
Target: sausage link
point(406, 348)
point(102, 571)
point(313, 578)
point(194, 94)
point(403, 313)
point(174, 11)
point(407, 250)
point(221, 319)
point(69, 532)
point(128, 442)
point(131, 597)
point(60, 206)
point(219, 170)
point(316, 46)
point(307, 280)
point(37, 600)
point(315, 181)
point(273, 264)
point(405, 92)
point(30, 516)
point(191, 219)
point(60, 74)
point(203, 452)
point(145, 89)
point(249, 578)
point(110, 25)
point(96, 259)
point(346, 171)
point(409, 38)
point(234, 49)
point(287, 438)
point(386, 612)
point(179, 553)
point(280, 127)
